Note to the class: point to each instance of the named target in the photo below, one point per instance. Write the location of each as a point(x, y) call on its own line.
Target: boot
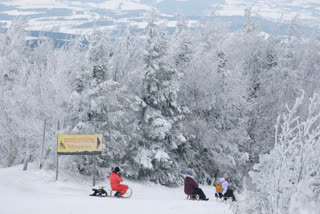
point(118, 195)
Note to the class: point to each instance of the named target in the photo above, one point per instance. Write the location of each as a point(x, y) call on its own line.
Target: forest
point(244, 102)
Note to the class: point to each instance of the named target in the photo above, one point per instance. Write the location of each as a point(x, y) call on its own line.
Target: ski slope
point(36, 192)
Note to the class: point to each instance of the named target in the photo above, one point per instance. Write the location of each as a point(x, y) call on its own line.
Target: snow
point(20, 13)
point(145, 159)
point(24, 4)
point(111, 4)
point(308, 11)
point(134, 6)
point(36, 191)
point(119, 5)
point(272, 9)
point(182, 138)
point(161, 155)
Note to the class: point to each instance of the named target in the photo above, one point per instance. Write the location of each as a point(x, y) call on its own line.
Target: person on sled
point(191, 187)
point(222, 189)
point(219, 185)
point(115, 181)
point(219, 188)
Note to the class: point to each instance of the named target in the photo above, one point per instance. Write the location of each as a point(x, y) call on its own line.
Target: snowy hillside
point(37, 192)
point(79, 16)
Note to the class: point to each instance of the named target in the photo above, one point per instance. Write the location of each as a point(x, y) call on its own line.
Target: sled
point(128, 194)
point(192, 197)
point(221, 198)
point(101, 192)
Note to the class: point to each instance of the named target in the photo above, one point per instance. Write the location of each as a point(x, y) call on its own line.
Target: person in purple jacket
point(191, 187)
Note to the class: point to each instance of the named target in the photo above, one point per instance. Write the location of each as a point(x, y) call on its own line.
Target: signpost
point(42, 148)
point(79, 145)
point(10, 154)
point(57, 166)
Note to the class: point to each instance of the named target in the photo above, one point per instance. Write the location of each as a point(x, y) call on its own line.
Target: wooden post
point(57, 165)
point(94, 163)
point(10, 154)
point(94, 169)
point(26, 161)
point(47, 154)
point(42, 148)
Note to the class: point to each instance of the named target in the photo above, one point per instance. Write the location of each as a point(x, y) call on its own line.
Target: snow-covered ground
point(36, 192)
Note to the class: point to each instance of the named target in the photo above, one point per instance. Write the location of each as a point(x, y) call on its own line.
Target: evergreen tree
point(161, 113)
point(100, 104)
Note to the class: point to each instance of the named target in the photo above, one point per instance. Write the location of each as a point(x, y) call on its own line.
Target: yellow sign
point(79, 144)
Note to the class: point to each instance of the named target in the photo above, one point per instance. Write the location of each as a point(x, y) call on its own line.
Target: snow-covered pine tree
point(101, 104)
point(161, 113)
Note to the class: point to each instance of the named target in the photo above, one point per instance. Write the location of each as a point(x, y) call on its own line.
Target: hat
point(189, 172)
point(116, 169)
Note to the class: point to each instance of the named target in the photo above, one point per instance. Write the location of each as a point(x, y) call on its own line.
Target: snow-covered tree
point(293, 160)
point(161, 113)
point(34, 88)
point(182, 47)
point(101, 102)
point(13, 63)
point(217, 92)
